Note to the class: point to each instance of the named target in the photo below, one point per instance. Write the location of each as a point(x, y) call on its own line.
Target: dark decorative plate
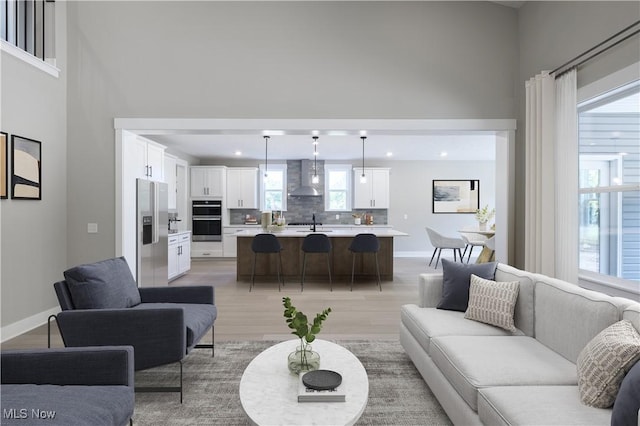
point(322, 379)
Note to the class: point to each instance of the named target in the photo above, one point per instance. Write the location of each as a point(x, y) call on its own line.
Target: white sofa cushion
point(632, 313)
point(567, 317)
point(426, 323)
point(537, 405)
point(475, 362)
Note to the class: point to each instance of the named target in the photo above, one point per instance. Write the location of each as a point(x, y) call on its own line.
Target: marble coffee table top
point(269, 392)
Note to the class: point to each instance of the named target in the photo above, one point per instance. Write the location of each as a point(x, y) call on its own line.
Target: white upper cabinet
point(171, 177)
point(374, 194)
point(146, 158)
point(242, 188)
point(208, 181)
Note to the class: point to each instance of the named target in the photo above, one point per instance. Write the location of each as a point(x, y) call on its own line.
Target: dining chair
point(440, 242)
point(267, 244)
point(316, 243)
point(471, 241)
point(365, 243)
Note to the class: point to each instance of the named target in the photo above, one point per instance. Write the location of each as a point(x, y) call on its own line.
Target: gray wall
point(271, 60)
point(552, 33)
point(263, 59)
point(34, 233)
point(416, 203)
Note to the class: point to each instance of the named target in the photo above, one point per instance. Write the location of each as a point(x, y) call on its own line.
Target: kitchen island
point(340, 256)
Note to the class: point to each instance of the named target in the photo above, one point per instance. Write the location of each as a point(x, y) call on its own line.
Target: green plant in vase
point(304, 358)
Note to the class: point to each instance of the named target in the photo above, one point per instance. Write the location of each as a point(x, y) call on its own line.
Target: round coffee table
point(269, 392)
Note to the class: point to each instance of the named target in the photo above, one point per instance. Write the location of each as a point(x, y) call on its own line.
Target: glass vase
point(303, 360)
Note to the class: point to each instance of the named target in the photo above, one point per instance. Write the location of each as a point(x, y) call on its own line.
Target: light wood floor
point(365, 313)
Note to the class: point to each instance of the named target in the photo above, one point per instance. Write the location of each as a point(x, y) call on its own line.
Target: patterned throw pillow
point(603, 363)
point(492, 302)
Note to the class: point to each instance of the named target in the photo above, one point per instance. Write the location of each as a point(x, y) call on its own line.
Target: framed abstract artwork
point(4, 151)
point(26, 168)
point(456, 196)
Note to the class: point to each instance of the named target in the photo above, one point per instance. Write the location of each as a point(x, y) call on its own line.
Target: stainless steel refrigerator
point(152, 226)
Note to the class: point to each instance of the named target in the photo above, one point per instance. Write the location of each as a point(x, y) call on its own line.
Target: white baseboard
point(19, 327)
point(411, 254)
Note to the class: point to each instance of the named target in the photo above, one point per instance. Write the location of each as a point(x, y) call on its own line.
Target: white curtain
point(567, 201)
point(540, 175)
point(551, 199)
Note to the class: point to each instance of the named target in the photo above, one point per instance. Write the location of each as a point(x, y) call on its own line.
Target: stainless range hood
point(305, 189)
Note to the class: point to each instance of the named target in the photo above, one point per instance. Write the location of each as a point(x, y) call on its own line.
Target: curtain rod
point(575, 62)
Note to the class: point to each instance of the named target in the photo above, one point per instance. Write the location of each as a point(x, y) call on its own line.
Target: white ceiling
point(459, 146)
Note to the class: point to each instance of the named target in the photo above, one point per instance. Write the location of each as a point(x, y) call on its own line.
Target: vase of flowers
point(484, 215)
point(304, 358)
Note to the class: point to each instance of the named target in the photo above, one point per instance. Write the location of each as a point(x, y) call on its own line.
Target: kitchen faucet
point(314, 222)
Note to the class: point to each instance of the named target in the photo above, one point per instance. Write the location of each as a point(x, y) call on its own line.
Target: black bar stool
point(364, 243)
point(315, 243)
point(266, 243)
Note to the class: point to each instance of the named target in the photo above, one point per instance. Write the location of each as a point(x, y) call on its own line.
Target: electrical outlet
point(92, 228)
point(337, 217)
point(406, 216)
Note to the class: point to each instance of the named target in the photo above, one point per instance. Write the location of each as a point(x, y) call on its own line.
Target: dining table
point(488, 253)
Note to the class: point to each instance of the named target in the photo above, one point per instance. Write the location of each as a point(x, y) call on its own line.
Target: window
point(273, 187)
point(337, 184)
point(609, 204)
point(29, 25)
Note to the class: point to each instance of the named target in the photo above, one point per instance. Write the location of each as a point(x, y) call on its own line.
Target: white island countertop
point(297, 232)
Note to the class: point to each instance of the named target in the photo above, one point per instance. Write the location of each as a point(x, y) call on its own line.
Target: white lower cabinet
point(206, 249)
point(230, 241)
point(179, 261)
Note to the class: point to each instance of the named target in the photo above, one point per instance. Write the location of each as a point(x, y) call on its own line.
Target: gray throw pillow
point(625, 409)
point(108, 284)
point(456, 278)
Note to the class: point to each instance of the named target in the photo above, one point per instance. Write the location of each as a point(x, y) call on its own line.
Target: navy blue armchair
point(68, 386)
point(102, 305)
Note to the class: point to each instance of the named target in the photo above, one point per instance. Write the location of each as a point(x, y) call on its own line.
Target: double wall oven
point(206, 217)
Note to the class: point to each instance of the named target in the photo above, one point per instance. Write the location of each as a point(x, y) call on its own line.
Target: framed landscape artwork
point(4, 150)
point(456, 196)
point(26, 169)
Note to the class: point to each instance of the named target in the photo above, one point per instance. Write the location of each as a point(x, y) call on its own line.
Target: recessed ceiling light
point(238, 152)
point(443, 154)
point(273, 133)
point(389, 154)
point(624, 153)
point(363, 133)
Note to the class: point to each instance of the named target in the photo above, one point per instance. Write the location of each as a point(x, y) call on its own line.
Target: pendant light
point(266, 158)
point(363, 178)
point(315, 178)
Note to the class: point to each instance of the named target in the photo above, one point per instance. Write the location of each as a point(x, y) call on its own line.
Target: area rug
point(397, 393)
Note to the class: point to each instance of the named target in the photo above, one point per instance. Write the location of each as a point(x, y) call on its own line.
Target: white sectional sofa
point(483, 374)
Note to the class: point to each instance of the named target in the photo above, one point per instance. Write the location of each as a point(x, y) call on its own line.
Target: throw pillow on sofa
point(627, 404)
point(603, 363)
point(456, 279)
point(108, 284)
point(492, 302)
